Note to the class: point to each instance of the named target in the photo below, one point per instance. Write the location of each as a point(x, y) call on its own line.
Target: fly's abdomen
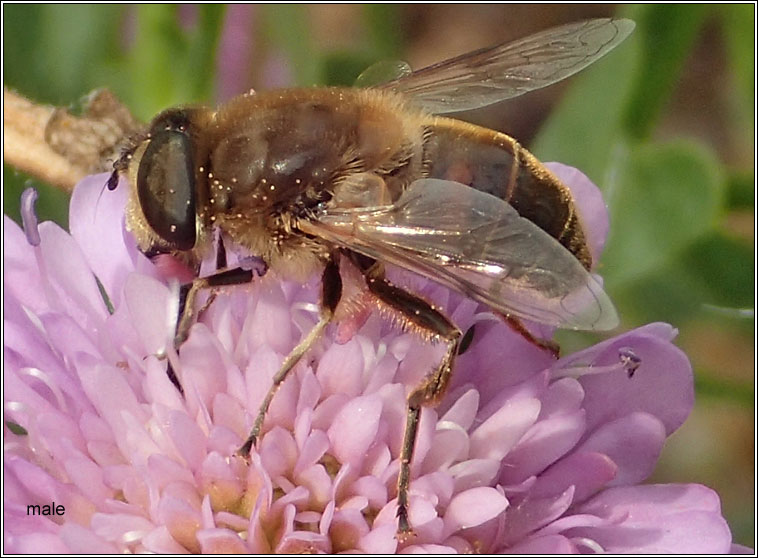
point(495, 163)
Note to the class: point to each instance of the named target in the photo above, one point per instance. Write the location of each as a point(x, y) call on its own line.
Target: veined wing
point(383, 72)
point(490, 75)
point(478, 245)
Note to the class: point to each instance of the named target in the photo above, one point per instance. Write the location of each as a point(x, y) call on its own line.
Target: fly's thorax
point(272, 158)
point(287, 151)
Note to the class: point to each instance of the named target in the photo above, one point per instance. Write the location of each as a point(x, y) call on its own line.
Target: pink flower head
point(525, 454)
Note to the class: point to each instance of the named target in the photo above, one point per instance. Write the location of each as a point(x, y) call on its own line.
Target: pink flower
point(526, 454)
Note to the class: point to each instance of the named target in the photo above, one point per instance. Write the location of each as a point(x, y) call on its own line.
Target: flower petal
point(530, 514)
point(36, 544)
point(21, 274)
point(340, 369)
point(526, 456)
point(81, 540)
point(633, 443)
point(562, 397)
point(473, 507)
point(149, 303)
point(503, 358)
point(474, 472)
point(355, 427)
point(449, 445)
point(463, 411)
point(73, 286)
point(542, 445)
point(494, 438)
point(661, 386)
point(96, 216)
point(660, 519)
point(432, 549)
point(221, 541)
point(347, 528)
point(542, 545)
point(381, 540)
point(586, 471)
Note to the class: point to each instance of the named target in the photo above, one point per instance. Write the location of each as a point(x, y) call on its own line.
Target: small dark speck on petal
point(629, 360)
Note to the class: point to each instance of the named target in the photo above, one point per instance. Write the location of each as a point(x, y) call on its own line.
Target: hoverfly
point(308, 179)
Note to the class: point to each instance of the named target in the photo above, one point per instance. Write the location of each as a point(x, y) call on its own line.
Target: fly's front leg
point(331, 292)
point(189, 292)
point(187, 297)
point(432, 324)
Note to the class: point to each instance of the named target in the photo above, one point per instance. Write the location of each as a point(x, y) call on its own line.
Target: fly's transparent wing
point(383, 72)
point(494, 74)
point(478, 245)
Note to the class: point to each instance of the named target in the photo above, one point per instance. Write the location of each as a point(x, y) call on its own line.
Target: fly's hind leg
point(432, 324)
point(545, 344)
point(331, 292)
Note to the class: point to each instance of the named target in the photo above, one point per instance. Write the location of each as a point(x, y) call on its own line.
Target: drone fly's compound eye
point(166, 188)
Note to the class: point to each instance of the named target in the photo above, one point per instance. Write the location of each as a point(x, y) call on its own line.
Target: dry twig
point(59, 148)
point(24, 145)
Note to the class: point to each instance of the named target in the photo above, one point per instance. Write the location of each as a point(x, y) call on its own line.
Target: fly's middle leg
point(331, 292)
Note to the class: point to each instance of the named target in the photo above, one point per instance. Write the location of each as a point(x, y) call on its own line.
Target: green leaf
point(739, 34)
point(170, 65)
point(665, 294)
point(201, 63)
point(88, 37)
point(383, 42)
point(740, 188)
point(52, 51)
point(287, 29)
point(20, 23)
point(342, 68)
point(708, 384)
point(167, 64)
point(724, 265)
point(159, 49)
point(712, 279)
point(666, 197)
point(665, 33)
point(52, 203)
point(384, 30)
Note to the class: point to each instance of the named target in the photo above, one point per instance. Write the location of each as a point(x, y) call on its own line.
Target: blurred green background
point(665, 125)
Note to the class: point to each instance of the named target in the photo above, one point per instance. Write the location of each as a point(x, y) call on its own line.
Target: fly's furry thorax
point(288, 253)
